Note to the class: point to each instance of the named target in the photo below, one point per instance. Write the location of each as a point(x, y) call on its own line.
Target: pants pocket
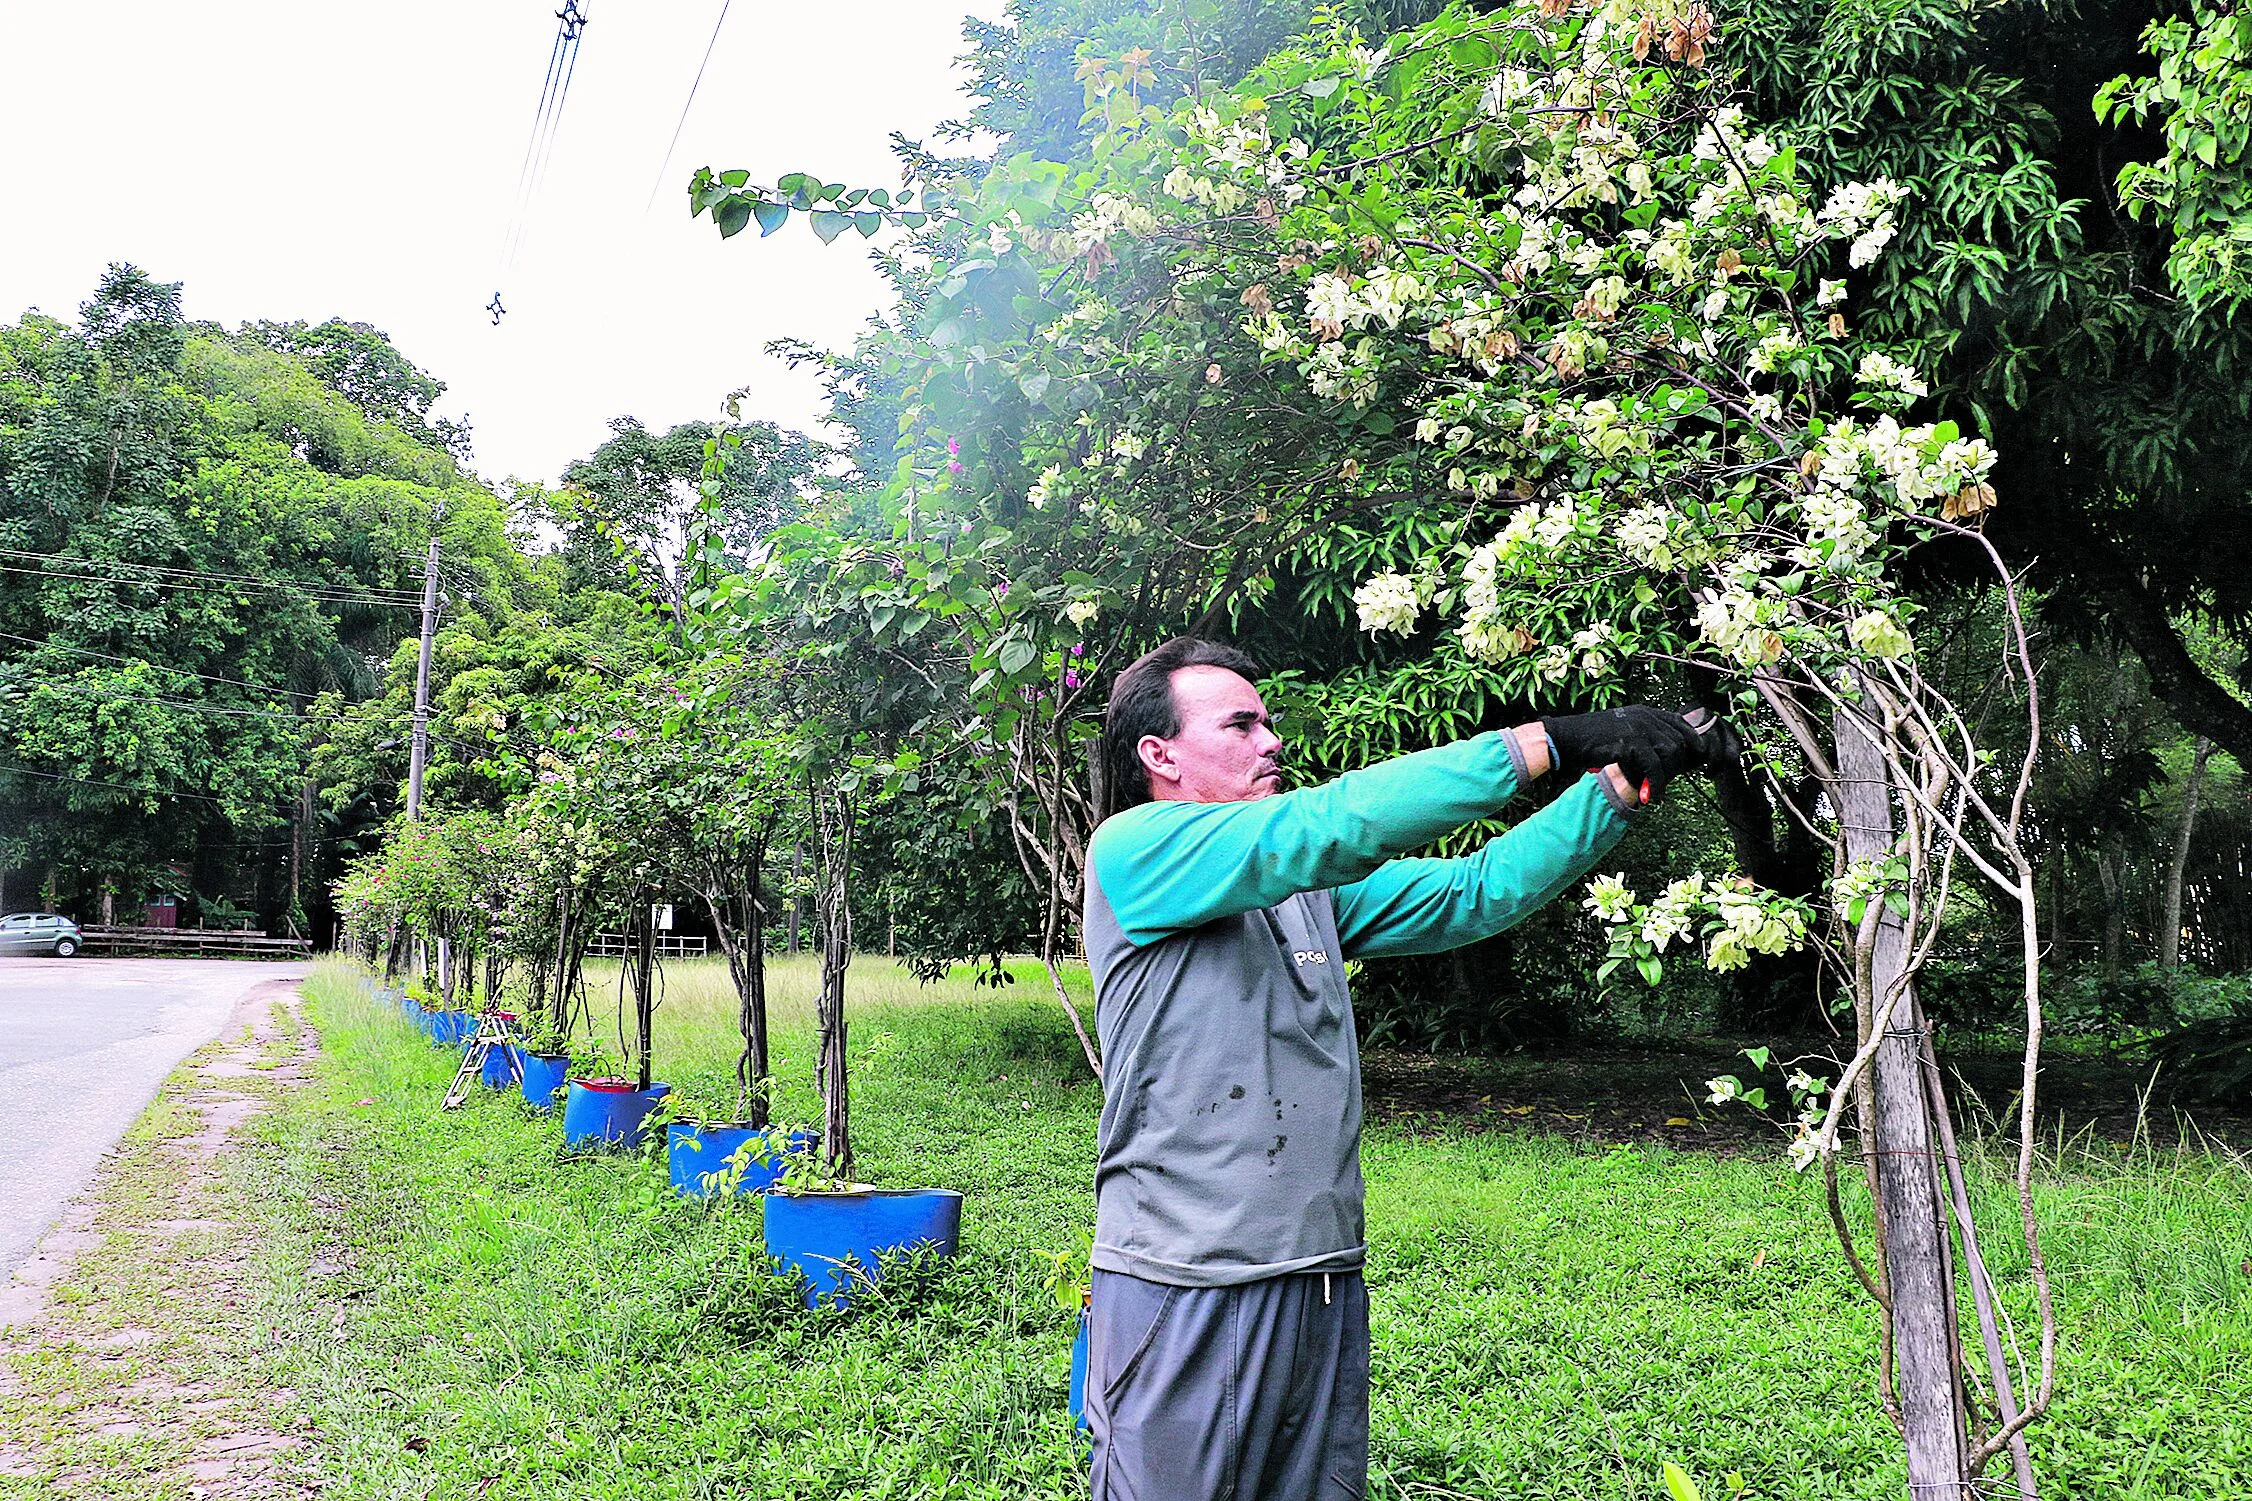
point(1129, 1316)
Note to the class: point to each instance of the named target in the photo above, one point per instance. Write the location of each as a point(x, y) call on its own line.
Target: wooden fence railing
point(618, 945)
point(247, 941)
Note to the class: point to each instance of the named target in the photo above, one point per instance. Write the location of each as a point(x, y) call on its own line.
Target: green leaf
point(1759, 1057)
point(828, 224)
point(1679, 1486)
point(735, 177)
point(1652, 970)
point(771, 217)
point(1321, 88)
point(731, 216)
point(1016, 655)
point(1472, 54)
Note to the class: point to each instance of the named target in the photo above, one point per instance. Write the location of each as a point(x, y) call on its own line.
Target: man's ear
point(1157, 761)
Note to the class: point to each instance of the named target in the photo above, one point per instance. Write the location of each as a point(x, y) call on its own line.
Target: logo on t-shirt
point(1311, 956)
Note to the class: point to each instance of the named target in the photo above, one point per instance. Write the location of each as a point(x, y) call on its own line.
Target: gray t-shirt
point(1231, 1125)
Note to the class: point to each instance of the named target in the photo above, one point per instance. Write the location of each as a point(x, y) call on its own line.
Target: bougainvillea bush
point(1518, 341)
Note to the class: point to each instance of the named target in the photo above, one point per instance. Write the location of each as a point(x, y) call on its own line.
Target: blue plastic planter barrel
point(838, 1240)
point(699, 1155)
point(1079, 1367)
point(543, 1077)
point(452, 1029)
point(608, 1112)
point(500, 1067)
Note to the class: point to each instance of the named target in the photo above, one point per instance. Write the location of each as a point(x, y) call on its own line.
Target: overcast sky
point(312, 159)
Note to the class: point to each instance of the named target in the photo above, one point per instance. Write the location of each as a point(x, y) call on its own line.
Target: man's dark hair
point(1141, 703)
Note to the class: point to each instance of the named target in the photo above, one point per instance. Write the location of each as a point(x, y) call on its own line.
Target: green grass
point(1551, 1320)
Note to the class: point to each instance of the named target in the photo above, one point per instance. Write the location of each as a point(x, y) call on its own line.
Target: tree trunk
point(1778, 993)
point(644, 984)
point(2170, 921)
point(832, 818)
point(1908, 1192)
point(297, 819)
point(797, 901)
point(561, 1013)
point(2054, 862)
point(757, 1066)
point(739, 918)
point(2111, 875)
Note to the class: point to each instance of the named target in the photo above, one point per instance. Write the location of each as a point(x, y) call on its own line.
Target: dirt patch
point(1617, 1095)
point(123, 1339)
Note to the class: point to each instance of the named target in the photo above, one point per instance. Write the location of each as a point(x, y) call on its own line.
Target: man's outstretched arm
point(1169, 866)
point(1428, 906)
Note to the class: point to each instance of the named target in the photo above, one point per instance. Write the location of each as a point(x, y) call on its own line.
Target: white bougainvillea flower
point(1609, 897)
point(1388, 602)
point(1880, 369)
point(1878, 634)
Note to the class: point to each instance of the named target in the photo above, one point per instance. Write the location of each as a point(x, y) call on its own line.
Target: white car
point(39, 933)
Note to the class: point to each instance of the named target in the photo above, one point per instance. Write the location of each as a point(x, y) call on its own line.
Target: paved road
point(83, 1045)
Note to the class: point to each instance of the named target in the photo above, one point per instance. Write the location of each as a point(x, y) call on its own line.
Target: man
point(1229, 1353)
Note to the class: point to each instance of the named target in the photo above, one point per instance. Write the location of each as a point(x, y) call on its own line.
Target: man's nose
point(1269, 742)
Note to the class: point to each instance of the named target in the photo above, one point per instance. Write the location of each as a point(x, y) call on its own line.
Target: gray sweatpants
point(1257, 1392)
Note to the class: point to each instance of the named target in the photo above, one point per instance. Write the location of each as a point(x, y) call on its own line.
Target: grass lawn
point(461, 1312)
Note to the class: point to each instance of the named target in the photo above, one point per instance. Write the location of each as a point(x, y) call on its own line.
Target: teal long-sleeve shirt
point(1167, 867)
point(1229, 1147)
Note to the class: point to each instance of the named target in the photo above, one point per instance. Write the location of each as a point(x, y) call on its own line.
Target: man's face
point(1227, 750)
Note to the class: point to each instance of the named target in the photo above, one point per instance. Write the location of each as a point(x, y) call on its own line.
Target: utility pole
point(421, 751)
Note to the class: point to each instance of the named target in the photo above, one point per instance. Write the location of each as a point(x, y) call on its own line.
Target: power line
point(531, 151)
point(47, 559)
point(573, 24)
point(195, 706)
point(56, 776)
point(679, 124)
point(563, 65)
point(85, 651)
point(320, 594)
point(88, 568)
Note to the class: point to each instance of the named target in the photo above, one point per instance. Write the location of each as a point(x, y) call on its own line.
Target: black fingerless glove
point(1652, 746)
